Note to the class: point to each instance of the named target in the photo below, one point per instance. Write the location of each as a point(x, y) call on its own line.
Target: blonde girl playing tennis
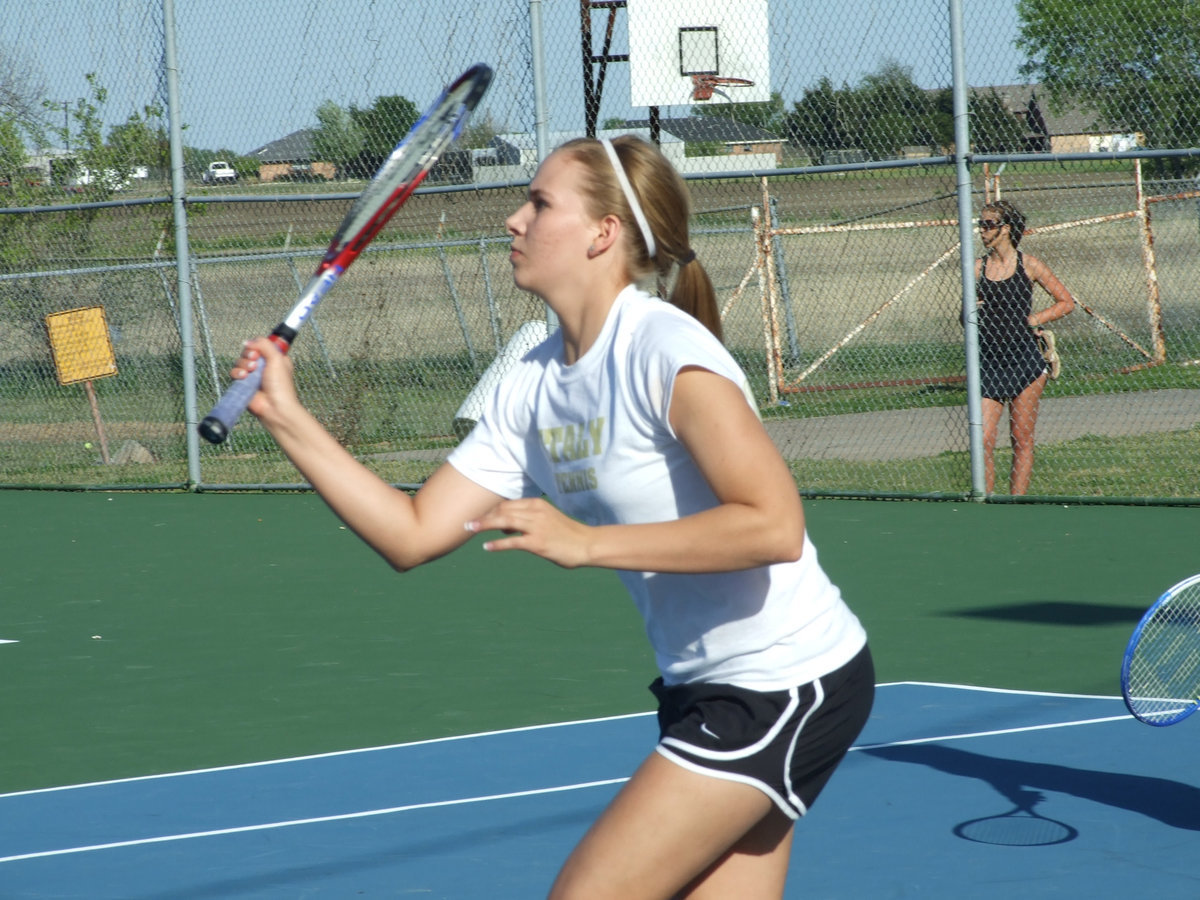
point(627, 441)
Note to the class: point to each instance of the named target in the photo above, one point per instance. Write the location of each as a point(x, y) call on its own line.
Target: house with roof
point(1067, 131)
point(513, 157)
point(291, 157)
point(736, 139)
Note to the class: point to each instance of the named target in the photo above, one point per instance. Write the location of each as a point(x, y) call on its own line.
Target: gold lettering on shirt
point(578, 480)
point(568, 443)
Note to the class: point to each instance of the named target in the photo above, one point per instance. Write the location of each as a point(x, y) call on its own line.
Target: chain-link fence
point(179, 172)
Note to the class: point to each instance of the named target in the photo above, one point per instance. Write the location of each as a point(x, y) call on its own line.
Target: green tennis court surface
point(167, 632)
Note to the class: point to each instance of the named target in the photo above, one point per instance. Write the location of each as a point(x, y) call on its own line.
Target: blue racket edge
point(1160, 671)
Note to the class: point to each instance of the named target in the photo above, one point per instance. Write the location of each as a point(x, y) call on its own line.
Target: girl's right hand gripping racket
point(1160, 675)
point(392, 185)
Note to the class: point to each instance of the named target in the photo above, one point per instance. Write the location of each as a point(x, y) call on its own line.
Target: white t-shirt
point(595, 439)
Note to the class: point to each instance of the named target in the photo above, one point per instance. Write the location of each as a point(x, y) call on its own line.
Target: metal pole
point(182, 254)
point(493, 315)
point(785, 293)
point(540, 116)
point(966, 241)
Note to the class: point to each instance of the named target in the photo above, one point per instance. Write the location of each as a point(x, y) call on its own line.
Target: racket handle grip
point(220, 421)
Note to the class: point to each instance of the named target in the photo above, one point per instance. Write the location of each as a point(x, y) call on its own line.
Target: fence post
point(182, 253)
point(785, 294)
point(541, 117)
point(1153, 299)
point(966, 240)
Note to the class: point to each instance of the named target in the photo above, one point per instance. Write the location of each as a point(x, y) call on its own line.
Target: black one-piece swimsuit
point(1009, 359)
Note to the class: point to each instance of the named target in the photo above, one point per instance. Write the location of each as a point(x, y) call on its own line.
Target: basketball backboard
point(673, 44)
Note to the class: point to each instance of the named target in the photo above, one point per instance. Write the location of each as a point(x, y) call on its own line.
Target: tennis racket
point(1160, 675)
point(392, 185)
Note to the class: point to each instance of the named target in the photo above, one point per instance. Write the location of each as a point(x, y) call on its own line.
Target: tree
point(106, 169)
point(941, 118)
point(818, 121)
point(22, 90)
point(337, 139)
point(1135, 64)
point(885, 113)
point(479, 132)
point(13, 157)
point(893, 112)
point(769, 115)
point(141, 140)
point(994, 128)
point(383, 124)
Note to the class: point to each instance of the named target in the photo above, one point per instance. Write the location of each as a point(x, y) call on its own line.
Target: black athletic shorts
point(785, 743)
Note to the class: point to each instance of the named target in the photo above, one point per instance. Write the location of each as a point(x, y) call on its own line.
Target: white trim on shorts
point(779, 801)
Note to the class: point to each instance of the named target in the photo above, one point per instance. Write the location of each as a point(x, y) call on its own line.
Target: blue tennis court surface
point(952, 792)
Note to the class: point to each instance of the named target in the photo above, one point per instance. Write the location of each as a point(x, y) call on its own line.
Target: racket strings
point(1163, 669)
point(408, 164)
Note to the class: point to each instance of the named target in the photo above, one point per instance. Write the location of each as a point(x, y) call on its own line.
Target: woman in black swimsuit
point(1012, 370)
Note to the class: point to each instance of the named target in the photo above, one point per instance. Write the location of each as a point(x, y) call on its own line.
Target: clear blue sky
point(254, 72)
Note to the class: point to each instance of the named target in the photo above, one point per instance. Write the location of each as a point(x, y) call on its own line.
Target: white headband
point(627, 190)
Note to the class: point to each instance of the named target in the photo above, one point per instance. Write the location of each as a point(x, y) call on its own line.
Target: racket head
point(401, 173)
point(1160, 672)
point(408, 165)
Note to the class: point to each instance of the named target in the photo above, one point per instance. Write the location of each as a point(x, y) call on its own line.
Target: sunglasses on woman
point(989, 224)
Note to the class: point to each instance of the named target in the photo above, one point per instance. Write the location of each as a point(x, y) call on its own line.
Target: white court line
point(995, 690)
point(979, 734)
point(437, 804)
point(482, 734)
point(329, 755)
point(2, 641)
point(242, 829)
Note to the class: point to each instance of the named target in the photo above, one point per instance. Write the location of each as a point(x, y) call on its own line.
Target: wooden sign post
point(82, 350)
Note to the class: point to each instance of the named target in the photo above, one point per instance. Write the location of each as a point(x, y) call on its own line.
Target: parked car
point(219, 172)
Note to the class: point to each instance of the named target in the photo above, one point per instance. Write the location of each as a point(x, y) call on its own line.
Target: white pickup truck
point(218, 172)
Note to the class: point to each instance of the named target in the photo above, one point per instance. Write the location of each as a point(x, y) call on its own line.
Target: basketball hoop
point(704, 86)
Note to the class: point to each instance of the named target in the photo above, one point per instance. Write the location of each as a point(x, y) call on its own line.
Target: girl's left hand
point(538, 527)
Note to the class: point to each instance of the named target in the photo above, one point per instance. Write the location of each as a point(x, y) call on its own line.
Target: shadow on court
point(1172, 803)
point(1055, 612)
